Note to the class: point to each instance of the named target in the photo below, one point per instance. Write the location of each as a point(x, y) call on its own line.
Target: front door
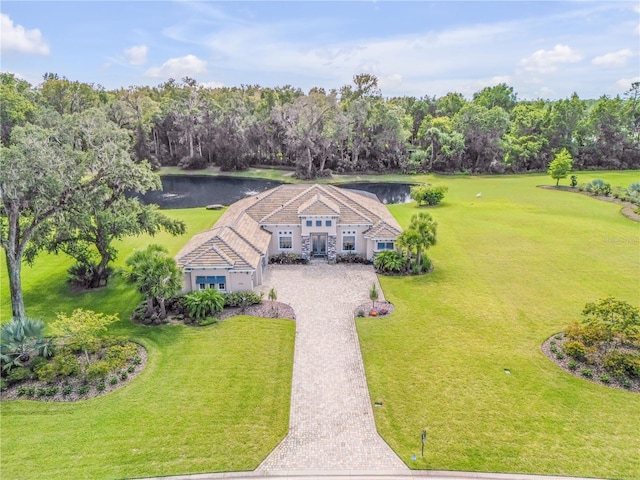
point(319, 245)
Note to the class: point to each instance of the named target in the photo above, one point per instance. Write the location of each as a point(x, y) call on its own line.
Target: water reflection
point(180, 191)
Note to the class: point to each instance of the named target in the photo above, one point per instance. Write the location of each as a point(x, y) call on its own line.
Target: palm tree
point(156, 276)
point(420, 235)
point(22, 338)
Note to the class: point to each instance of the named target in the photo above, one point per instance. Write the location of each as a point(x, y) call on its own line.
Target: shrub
point(101, 386)
point(124, 375)
point(20, 340)
point(622, 364)
point(560, 355)
point(64, 364)
point(288, 259)
point(605, 378)
point(137, 360)
point(626, 383)
point(119, 355)
point(242, 299)
point(351, 258)
point(599, 187)
point(195, 162)
point(575, 349)
point(67, 390)
point(581, 187)
point(633, 190)
point(572, 365)
point(390, 261)
point(3, 384)
point(428, 194)
point(360, 313)
point(131, 369)
point(19, 374)
point(113, 380)
point(427, 264)
point(97, 370)
point(574, 181)
point(207, 321)
point(203, 303)
point(587, 372)
point(50, 391)
point(83, 389)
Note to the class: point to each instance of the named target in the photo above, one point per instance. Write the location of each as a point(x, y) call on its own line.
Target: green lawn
point(210, 399)
point(512, 268)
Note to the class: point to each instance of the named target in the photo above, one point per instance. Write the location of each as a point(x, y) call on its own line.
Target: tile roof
point(238, 240)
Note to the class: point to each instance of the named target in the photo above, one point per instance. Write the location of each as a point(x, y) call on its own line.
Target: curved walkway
point(331, 425)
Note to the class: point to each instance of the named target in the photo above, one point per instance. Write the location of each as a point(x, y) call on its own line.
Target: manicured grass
point(210, 399)
point(511, 268)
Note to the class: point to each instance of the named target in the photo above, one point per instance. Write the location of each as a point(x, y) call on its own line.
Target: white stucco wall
point(322, 228)
point(274, 245)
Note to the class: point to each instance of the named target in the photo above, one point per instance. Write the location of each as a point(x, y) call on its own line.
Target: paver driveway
point(331, 426)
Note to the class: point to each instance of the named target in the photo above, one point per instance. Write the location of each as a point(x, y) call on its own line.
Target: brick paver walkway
point(331, 426)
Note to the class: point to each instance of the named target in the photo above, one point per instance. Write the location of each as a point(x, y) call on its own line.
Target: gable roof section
point(318, 205)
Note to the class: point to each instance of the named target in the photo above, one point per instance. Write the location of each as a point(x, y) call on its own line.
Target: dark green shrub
point(587, 372)
point(242, 299)
point(626, 383)
point(124, 375)
point(101, 386)
point(553, 350)
point(207, 321)
point(131, 369)
point(574, 181)
point(360, 313)
point(85, 274)
point(560, 355)
point(390, 261)
point(605, 378)
point(113, 380)
point(352, 258)
point(137, 360)
point(194, 162)
point(3, 384)
point(19, 374)
point(203, 303)
point(98, 370)
point(572, 365)
point(288, 259)
point(553, 342)
point(83, 389)
point(575, 349)
point(41, 392)
point(622, 364)
point(67, 390)
point(50, 391)
point(22, 390)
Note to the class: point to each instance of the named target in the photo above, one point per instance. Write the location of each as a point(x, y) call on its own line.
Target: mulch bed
point(596, 369)
point(12, 392)
point(366, 308)
point(627, 207)
point(266, 309)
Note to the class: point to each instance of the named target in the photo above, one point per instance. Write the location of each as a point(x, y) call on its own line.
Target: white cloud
point(15, 38)
point(637, 30)
point(136, 55)
point(547, 61)
point(187, 66)
point(613, 59)
point(625, 83)
point(212, 84)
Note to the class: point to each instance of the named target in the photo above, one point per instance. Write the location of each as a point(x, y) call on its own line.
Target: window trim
point(353, 235)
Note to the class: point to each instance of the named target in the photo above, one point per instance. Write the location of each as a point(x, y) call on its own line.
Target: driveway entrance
point(331, 425)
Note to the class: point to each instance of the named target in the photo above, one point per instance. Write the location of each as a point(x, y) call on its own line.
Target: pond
point(180, 191)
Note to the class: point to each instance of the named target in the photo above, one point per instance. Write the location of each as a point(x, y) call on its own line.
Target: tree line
point(348, 129)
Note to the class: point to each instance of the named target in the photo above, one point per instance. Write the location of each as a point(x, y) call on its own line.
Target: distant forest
point(350, 129)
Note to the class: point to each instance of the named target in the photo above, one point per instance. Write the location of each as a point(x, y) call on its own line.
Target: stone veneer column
point(331, 248)
point(306, 247)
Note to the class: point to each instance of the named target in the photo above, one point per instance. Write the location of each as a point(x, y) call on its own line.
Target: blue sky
point(544, 49)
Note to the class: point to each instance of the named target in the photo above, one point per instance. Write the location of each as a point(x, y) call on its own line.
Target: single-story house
point(314, 221)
